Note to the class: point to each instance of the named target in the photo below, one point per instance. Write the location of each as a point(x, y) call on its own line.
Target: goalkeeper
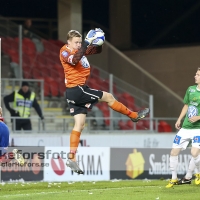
point(4, 141)
point(79, 96)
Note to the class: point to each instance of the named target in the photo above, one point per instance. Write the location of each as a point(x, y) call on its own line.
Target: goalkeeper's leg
point(74, 142)
point(119, 107)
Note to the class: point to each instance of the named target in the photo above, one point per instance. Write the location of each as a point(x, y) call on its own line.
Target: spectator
point(28, 32)
point(22, 100)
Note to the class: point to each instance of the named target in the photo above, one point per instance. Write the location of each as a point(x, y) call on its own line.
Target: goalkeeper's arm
point(93, 49)
point(85, 44)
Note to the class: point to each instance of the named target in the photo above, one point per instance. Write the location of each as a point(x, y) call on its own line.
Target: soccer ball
point(100, 38)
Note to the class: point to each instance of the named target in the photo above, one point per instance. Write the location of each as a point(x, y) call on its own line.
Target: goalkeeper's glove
point(99, 30)
point(91, 35)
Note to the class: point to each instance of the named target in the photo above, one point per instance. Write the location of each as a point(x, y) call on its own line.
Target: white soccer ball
point(100, 38)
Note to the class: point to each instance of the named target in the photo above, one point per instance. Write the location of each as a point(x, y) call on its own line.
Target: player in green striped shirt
point(190, 130)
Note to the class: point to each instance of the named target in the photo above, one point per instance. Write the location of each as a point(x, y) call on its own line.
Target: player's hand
point(178, 124)
point(14, 113)
point(91, 35)
point(193, 119)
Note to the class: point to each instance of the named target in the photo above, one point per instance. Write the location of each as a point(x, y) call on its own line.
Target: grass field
point(107, 190)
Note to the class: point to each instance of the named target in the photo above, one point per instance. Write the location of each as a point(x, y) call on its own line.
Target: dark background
point(153, 23)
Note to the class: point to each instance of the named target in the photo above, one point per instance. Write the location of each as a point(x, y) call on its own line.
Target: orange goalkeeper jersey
point(76, 74)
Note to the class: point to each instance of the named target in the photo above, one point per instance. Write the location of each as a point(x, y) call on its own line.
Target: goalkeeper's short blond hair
point(73, 33)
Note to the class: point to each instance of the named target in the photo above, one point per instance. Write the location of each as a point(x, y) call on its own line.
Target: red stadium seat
point(122, 125)
point(45, 72)
point(36, 74)
point(50, 63)
point(10, 39)
point(54, 88)
point(55, 57)
point(129, 100)
point(102, 106)
point(46, 53)
point(13, 55)
point(41, 59)
point(5, 48)
point(58, 66)
point(61, 73)
point(105, 85)
point(54, 73)
point(48, 46)
point(26, 60)
point(106, 113)
point(129, 125)
point(164, 127)
point(13, 44)
point(140, 125)
point(53, 85)
point(62, 88)
point(94, 72)
point(94, 83)
point(28, 46)
point(27, 71)
point(46, 87)
point(122, 100)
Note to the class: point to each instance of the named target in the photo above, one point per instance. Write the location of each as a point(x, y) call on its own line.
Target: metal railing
point(53, 124)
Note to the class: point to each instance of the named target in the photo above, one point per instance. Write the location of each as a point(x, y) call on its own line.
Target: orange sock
point(74, 140)
point(119, 107)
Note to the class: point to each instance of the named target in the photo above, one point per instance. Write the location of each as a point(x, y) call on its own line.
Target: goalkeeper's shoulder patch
point(65, 53)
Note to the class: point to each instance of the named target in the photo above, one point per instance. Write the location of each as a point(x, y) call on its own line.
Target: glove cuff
point(86, 43)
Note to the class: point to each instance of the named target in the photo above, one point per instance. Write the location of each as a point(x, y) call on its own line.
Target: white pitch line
point(73, 191)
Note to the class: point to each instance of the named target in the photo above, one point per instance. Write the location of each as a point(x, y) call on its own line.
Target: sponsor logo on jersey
point(70, 59)
point(87, 105)
point(192, 111)
point(70, 101)
point(65, 54)
point(71, 110)
point(192, 90)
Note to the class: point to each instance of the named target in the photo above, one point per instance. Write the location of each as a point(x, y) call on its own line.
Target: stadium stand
point(43, 63)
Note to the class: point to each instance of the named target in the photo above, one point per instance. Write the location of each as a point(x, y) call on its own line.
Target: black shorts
point(80, 98)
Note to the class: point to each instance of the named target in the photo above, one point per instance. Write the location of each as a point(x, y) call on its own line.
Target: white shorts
point(184, 136)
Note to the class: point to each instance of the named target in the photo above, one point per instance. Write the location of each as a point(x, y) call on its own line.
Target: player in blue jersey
point(6, 157)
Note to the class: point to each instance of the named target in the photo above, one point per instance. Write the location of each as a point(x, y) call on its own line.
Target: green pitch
point(107, 190)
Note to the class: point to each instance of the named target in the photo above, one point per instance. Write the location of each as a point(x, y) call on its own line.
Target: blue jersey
point(4, 138)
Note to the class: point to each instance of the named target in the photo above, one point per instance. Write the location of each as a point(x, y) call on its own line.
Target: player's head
point(74, 40)
point(25, 86)
point(28, 23)
point(1, 113)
